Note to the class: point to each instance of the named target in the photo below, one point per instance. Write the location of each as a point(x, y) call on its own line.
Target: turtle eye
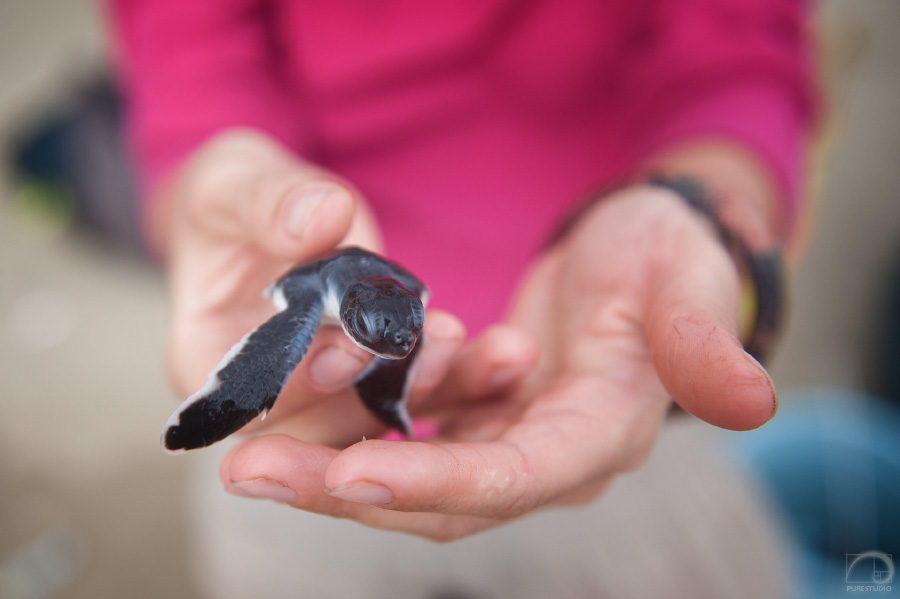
point(416, 320)
point(362, 327)
point(370, 326)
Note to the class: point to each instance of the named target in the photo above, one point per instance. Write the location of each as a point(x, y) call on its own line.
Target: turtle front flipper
point(249, 378)
point(384, 388)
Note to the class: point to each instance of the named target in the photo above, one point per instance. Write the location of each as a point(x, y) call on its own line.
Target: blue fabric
point(830, 462)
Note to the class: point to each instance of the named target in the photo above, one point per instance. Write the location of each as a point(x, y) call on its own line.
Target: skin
point(639, 303)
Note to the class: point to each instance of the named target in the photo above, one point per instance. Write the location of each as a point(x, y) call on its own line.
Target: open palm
point(638, 303)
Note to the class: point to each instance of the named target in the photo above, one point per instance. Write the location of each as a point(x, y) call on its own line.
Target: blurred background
point(89, 505)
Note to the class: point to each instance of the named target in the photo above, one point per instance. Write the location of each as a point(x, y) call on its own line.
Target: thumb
point(297, 216)
point(244, 188)
point(692, 333)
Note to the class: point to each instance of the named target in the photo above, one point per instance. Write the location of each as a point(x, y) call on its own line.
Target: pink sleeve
point(190, 68)
point(736, 69)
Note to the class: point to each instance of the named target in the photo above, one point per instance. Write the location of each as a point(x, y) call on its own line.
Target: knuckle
point(224, 173)
point(497, 481)
point(512, 487)
point(242, 141)
point(269, 187)
point(205, 184)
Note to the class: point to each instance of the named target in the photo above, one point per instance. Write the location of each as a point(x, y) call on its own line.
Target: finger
point(581, 432)
point(443, 337)
point(245, 187)
point(692, 333)
point(494, 362)
point(319, 396)
point(289, 471)
point(334, 362)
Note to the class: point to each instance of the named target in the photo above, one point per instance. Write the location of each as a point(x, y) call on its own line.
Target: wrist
point(744, 189)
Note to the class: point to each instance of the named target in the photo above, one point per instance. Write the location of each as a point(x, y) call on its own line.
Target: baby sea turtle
point(379, 305)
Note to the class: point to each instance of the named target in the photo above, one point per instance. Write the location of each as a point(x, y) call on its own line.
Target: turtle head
point(383, 316)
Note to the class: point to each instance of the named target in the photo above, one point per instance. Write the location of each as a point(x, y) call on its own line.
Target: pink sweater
point(472, 126)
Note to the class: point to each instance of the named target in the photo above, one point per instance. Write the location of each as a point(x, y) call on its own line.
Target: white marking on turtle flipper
point(211, 385)
point(275, 292)
point(331, 297)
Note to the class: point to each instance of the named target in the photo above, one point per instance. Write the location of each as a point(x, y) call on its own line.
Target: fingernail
point(263, 488)
point(302, 208)
point(771, 383)
point(333, 368)
point(363, 492)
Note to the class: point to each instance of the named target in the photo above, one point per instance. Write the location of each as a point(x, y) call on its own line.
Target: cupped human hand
point(636, 305)
point(239, 213)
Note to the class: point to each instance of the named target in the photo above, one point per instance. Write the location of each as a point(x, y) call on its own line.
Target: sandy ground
point(89, 505)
